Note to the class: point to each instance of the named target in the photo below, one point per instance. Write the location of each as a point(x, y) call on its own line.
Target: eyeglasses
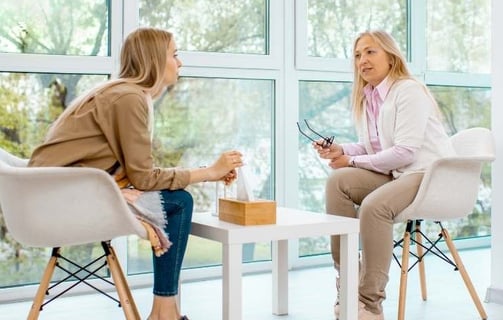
point(327, 141)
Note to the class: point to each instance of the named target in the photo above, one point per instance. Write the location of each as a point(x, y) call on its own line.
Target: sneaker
point(364, 314)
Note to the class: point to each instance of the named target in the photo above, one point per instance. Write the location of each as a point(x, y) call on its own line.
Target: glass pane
point(225, 26)
point(334, 24)
point(463, 107)
point(195, 122)
point(30, 103)
point(459, 36)
point(26, 266)
point(326, 105)
point(55, 27)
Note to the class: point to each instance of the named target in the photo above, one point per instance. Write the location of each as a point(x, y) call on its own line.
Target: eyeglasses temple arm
point(304, 134)
point(316, 133)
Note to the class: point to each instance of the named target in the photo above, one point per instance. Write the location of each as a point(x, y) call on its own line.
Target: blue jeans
point(178, 205)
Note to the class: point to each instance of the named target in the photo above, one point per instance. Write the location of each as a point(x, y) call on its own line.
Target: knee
point(186, 198)
point(337, 180)
point(370, 209)
point(180, 198)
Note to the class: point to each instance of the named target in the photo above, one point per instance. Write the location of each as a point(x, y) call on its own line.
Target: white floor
point(311, 297)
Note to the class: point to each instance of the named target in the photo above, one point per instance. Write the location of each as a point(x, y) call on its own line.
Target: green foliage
point(226, 26)
point(333, 25)
point(465, 48)
point(54, 27)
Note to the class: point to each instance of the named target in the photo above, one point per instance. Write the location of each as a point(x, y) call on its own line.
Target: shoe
point(337, 307)
point(364, 314)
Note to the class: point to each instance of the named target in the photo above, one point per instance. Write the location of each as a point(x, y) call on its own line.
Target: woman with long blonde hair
point(400, 135)
point(110, 128)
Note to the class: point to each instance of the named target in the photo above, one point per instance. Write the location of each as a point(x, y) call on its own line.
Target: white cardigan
point(409, 117)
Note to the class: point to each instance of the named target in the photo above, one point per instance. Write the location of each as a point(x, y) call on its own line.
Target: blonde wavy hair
point(143, 62)
point(397, 71)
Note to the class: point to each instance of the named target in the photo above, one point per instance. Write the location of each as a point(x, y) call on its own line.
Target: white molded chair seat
point(66, 206)
point(448, 191)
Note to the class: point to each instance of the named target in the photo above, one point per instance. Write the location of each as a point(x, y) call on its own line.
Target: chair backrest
point(12, 160)
point(62, 206)
point(450, 185)
point(474, 142)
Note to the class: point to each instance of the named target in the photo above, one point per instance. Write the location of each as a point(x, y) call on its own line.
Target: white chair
point(65, 206)
point(448, 191)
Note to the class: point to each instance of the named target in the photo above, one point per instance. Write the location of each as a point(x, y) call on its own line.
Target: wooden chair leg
point(421, 266)
point(42, 287)
point(464, 273)
point(126, 298)
point(404, 272)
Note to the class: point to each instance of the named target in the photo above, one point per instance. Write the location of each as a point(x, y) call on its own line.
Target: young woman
point(400, 134)
point(110, 128)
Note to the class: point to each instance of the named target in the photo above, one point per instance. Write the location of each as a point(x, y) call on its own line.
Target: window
point(195, 122)
point(224, 26)
point(55, 27)
point(332, 26)
point(325, 30)
point(457, 36)
point(326, 105)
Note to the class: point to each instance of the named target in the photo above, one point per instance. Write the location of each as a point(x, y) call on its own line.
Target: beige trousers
point(376, 199)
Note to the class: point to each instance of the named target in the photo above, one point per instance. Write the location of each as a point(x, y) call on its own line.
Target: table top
point(290, 224)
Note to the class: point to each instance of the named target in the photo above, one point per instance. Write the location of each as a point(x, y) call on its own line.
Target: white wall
point(495, 290)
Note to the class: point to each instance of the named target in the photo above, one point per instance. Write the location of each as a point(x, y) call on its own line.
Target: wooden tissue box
point(247, 212)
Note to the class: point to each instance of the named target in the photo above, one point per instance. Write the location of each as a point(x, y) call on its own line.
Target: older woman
point(400, 135)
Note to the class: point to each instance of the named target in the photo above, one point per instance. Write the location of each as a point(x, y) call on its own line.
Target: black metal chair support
point(87, 269)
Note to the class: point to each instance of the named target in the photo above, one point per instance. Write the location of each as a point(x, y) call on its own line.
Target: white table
point(290, 223)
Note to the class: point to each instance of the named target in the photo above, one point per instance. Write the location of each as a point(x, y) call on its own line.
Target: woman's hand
point(339, 162)
point(230, 177)
point(224, 169)
point(331, 152)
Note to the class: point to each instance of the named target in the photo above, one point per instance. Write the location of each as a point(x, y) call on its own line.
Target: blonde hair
point(143, 62)
point(398, 69)
point(143, 58)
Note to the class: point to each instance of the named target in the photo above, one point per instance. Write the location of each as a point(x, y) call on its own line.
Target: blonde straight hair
point(143, 62)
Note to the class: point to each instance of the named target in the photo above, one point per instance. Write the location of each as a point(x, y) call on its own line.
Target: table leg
point(280, 277)
point(231, 281)
point(349, 276)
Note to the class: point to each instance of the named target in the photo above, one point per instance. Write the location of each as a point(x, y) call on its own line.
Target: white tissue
point(243, 188)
